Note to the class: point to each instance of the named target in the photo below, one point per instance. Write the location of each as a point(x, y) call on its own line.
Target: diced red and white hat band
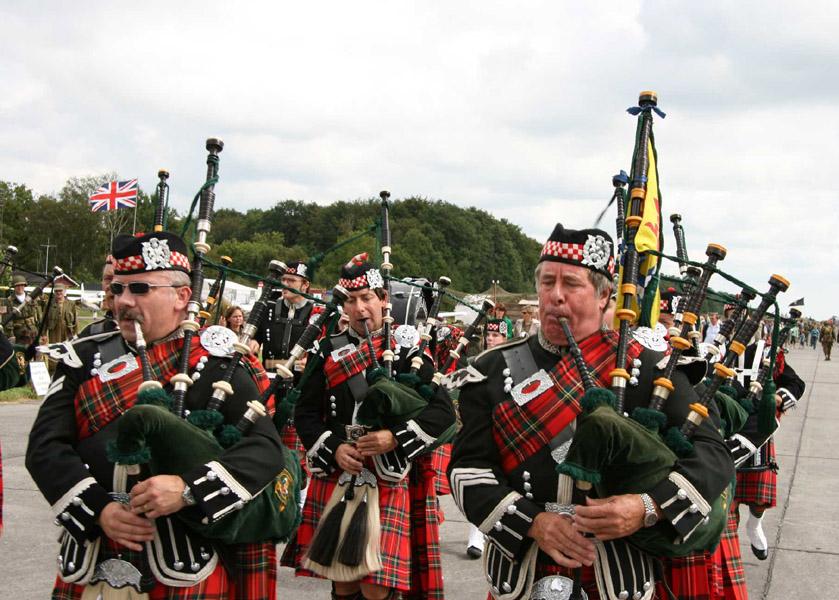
point(595, 253)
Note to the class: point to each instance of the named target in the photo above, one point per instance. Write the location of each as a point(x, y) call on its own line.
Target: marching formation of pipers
point(601, 451)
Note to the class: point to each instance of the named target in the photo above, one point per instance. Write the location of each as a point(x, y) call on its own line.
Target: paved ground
point(803, 529)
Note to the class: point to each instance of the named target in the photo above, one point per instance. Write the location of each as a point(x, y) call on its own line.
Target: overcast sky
point(517, 108)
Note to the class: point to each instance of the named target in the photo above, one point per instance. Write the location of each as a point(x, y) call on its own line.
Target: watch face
point(650, 519)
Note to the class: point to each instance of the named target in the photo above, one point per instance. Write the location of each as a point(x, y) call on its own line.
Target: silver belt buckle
point(354, 432)
point(553, 587)
point(117, 574)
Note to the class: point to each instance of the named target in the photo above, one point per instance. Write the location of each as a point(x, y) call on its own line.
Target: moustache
point(130, 315)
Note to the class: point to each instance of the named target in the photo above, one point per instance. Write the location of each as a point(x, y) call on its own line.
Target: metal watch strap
point(650, 515)
point(187, 496)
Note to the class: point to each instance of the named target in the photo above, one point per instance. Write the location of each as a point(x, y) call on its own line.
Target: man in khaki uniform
point(26, 313)
point(827, 335)
point(62, 317)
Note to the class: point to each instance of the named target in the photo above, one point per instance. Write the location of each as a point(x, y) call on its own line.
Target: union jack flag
point(114, 195)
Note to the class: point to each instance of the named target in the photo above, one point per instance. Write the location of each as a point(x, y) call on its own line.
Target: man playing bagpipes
point(757, 470)
point(519, 412)
point(125, 535)
point(356, 528)
point(288, 315)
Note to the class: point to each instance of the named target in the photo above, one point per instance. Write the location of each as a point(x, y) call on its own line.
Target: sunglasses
point(138, 288)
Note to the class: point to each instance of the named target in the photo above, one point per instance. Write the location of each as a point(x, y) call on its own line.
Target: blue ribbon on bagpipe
point(637, 110)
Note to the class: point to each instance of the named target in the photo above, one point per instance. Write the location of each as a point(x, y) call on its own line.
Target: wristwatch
point(187, 496)
point(650, 516)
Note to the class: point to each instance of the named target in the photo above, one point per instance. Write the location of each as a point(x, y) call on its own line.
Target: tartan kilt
point(729, 574)
point(253, 577)
point(689, 577)
point(758, 488)
point(427, 571)
point(395, 539)
point(288, 434)
point(440, 458)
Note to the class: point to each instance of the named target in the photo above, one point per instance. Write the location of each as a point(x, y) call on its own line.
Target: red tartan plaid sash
point(338, 366)
point(521, 431)
point(345, 366)
point(98, 403)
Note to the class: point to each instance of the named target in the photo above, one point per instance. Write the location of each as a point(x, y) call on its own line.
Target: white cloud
point(515, 108)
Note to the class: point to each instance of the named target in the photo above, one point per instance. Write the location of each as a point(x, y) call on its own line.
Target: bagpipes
point(611, 453)
point(306, 342)
point(680, 343)
point(723, 370)
point(731, 325)
point(151, 440)
point(387, 267)
point(216, 294)
point(464, 341)
point(760, 424)
point(190, 325)
point(153, 436)
point(647, 102)
point(430, 324)
point(160, 206)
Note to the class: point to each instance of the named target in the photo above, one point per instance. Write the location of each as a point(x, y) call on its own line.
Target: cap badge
point(156, 254)
point(596, 252)
point(301, 270)
point(374, 279)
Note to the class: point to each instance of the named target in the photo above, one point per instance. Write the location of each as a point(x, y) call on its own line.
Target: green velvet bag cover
point(732, 413)
point(389, 403)
point(620, 456)
point(172, 446)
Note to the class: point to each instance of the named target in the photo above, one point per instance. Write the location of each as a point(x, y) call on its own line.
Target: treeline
point(429, 238)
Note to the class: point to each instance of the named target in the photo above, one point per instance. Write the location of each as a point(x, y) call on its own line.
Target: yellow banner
point(648, 234)
point(647, 237)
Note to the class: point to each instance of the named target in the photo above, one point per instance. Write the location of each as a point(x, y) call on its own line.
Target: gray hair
point(598, 280)
point(179, 278)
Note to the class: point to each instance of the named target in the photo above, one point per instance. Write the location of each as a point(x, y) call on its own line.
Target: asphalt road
point(803, 530)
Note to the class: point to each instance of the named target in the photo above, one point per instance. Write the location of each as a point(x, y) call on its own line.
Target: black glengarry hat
point(589, 248)
point(358, 274)
point(497, 325)
point(298, 268)
point(159, 251)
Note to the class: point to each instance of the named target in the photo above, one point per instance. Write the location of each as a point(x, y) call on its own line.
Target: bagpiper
point(120, 533)
point(757, 473)
point(519, 403)
point(287, 317)
point(352, 463)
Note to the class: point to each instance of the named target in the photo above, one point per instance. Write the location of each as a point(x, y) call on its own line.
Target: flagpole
point(136, 204)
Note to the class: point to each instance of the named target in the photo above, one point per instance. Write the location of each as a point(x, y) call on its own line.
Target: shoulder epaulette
point(461, 377)
point(504, 346)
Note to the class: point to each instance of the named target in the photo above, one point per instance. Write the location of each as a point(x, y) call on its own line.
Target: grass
point(17, 394)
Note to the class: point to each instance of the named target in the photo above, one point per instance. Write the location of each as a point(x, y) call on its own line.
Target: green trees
point(429, 237)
